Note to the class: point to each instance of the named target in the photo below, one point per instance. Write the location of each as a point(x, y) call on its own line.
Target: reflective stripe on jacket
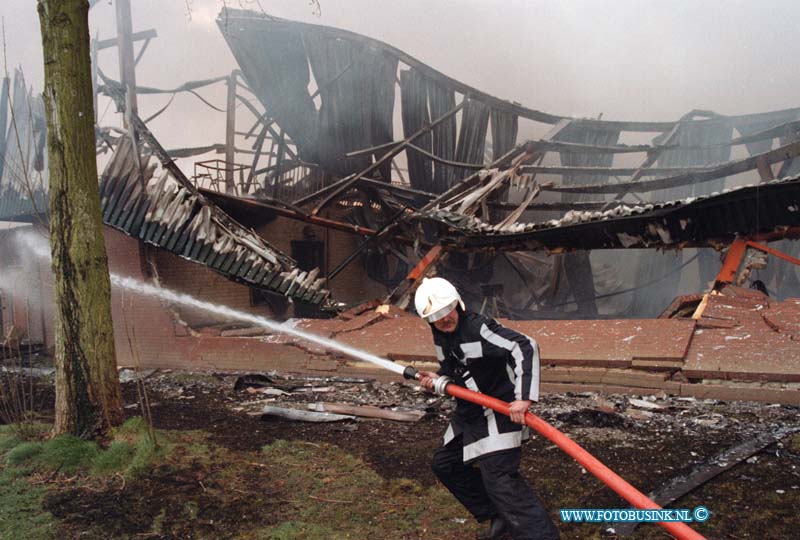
point(486, 357)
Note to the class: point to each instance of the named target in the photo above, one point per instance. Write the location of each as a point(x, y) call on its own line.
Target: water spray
point(230, 313)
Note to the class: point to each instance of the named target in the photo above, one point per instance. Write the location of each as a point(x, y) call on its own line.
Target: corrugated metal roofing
point(17, 206)
point(177, 218)
point(703, 221)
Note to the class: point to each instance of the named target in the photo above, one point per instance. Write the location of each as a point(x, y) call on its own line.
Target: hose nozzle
point(409, 373)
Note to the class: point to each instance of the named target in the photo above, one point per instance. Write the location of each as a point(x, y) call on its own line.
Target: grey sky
point(627, 59)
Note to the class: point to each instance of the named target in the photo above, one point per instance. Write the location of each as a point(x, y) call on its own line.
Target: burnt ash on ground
point(647, 441)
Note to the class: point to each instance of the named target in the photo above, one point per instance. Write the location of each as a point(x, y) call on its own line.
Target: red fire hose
point(678, 529)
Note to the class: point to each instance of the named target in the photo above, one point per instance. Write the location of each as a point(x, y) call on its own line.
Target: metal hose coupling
point(440, 384)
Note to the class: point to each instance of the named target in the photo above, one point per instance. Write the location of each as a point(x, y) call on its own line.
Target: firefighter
point(479, 459)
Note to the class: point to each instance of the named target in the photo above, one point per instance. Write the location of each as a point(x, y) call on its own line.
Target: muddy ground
point(648, 442)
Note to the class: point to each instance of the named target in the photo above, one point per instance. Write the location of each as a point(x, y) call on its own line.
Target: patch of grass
point(7, 442)
point(134, 450)
point(143, 457)
point(30, 430)
point(67, 453)
point(21, 514)
point(8, 439)
point(117, 457)
point(132, 427)
point(332, 494)
point(298, 530)
point(23, 452)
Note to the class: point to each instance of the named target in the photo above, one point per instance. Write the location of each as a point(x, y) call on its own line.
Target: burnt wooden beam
point(372, 149)
point(127, 68)
point(769, 133)
point(608, 171)
point(649, 161)
point(472, 180)
point(289, 211)
point(258, 147)
point(520, 155)
point(277, 136)
point(347, 182)
point(533, 187)
point(706, 470)
point(730, 168)
point(437, 159)
point(561, 146)
point(141, 52)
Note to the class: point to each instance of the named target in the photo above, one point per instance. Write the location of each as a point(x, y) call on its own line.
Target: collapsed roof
point(346, 127)
point(171, 214)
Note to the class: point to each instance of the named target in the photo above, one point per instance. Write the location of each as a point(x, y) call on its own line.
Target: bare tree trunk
point(88, 397)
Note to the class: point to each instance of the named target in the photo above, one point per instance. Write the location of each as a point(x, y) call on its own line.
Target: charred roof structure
point(169, 213)
point(455, 175)
point(473, 186)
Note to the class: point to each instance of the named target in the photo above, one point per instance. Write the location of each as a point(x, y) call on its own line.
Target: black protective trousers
point(491, 486)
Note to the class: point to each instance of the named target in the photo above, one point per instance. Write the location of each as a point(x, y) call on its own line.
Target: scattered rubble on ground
point(589, 413)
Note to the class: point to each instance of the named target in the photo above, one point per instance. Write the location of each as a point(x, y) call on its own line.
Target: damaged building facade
point(366, 169)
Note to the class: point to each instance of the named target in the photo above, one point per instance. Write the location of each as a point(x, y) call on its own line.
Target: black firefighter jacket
point(489, 358)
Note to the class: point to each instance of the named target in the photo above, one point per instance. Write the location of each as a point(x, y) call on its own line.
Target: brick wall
point(198, 281)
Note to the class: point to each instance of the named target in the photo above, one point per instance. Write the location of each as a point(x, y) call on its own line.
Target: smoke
point(21, 277)
point(32, 246)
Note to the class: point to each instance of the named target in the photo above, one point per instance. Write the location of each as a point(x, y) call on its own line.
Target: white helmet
point(435, 298)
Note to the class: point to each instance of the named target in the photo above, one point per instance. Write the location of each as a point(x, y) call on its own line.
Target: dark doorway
point(309, 254)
